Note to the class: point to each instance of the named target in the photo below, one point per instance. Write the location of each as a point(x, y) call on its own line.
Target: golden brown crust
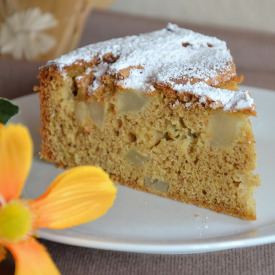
point(46, 75)
point(110, 81)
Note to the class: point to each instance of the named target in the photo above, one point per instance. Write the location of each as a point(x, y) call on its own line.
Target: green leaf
point(7, 110)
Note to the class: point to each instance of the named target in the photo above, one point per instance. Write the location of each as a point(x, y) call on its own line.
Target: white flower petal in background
point(40, 43)
point(22, 36)
point(38, 21)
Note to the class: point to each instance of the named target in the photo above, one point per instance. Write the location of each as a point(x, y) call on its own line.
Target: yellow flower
point(76, 196)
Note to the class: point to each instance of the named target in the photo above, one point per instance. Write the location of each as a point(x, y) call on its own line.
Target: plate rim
point(138, 247)
point(210, 245)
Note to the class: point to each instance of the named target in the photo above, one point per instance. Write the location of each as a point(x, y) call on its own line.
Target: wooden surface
point(254, 54)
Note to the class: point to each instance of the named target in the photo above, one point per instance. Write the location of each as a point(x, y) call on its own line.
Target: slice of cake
point(158, 112)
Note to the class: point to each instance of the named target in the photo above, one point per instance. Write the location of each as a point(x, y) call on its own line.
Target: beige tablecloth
point(254, 55)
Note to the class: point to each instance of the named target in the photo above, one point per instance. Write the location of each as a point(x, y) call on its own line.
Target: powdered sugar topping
point(169, 56)
point(98, 71)
point(165, 55)
point(229, 100)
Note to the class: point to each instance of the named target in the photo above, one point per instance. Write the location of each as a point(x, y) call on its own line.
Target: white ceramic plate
point(141, 222)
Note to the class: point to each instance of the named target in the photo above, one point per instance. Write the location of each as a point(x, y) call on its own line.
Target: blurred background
point(41, 30)
point(244, 14)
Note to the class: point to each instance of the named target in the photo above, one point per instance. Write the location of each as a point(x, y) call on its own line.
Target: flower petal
point(77, 196)
point(15, 159)
point(2, 253)
point(32, 258)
